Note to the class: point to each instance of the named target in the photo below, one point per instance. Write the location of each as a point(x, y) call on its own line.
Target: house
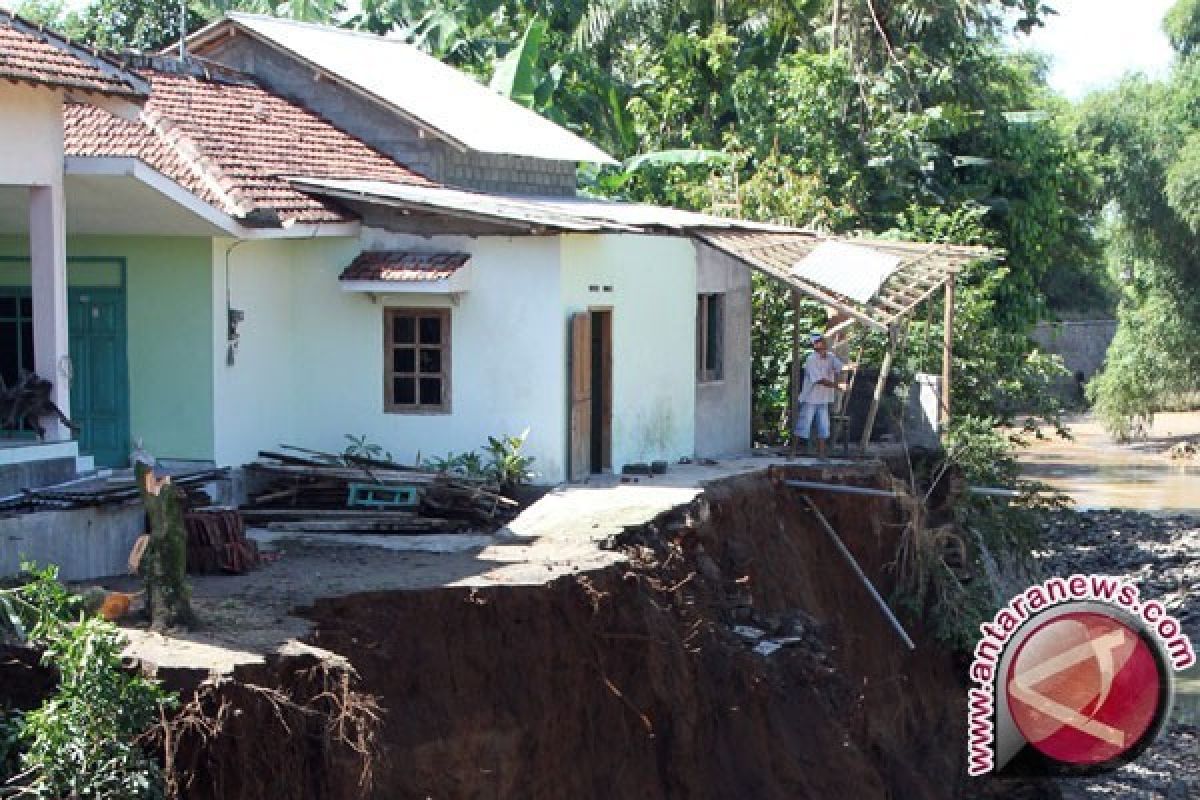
point(300, 233)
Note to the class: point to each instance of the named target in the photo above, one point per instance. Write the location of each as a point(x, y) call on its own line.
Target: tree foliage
point(1146, 136)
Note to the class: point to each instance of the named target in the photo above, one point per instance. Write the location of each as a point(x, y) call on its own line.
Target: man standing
point(821, 370)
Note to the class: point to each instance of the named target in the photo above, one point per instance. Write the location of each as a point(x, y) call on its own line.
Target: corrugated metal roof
point(501, 209)
point(436, 95)
point(580, 215)
point(850, 270)
point(923, 269)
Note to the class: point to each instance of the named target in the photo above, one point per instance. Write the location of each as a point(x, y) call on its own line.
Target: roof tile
point(403, 266)
point(31, 55)
point(232, 143)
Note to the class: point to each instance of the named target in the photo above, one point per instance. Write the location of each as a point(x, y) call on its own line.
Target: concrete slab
point(559, 535)
point(431, 543)
point(85, 543)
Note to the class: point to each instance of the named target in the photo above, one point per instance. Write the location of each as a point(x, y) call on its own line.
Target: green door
point(100, 374)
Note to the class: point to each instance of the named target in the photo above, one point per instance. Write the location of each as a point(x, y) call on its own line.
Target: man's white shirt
point(818, 368)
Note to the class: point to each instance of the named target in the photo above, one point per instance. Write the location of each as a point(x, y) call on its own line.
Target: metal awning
point(897, 276)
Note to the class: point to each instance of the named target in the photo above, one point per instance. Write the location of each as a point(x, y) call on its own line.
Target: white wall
point(31, 135)
point(653, 302)
point(310, 367)
point(723, 408)
point(253, 399)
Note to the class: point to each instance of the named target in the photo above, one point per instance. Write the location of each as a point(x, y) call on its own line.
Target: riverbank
point(1161, 555)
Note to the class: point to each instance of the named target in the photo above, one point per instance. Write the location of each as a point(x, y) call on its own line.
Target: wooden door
point(580, 370)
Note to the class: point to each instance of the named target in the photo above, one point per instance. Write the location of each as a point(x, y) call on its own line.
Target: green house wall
point(169, 316)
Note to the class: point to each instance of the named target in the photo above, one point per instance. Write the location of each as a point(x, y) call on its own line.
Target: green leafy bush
point(85, 739)
point(506, 465)
point(467, 465)
point(361, 447)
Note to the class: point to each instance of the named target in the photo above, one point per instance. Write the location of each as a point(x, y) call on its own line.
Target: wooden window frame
point(704, 374)
point(389, 348)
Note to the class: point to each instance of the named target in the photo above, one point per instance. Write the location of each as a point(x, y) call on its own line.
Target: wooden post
point(797, 373)
point(880, 386)
point(164, 563)
point(947, 354)
point(835, 24)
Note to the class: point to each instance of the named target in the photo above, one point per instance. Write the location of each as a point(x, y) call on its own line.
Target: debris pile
point(1185, 451)
point(321, 492)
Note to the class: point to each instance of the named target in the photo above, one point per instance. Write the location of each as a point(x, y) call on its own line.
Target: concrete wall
point(653, 302)
point(390, 133)
point(85, 544)
point(723, 408)
point(1083, 344)
point(169, 320)
point(31, 136)
point(310, 366)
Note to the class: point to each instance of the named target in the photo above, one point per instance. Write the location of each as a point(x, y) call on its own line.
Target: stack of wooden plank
point(104, 492)
point(304, 490)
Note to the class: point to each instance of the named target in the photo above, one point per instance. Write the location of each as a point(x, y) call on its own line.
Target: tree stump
point(164, 564)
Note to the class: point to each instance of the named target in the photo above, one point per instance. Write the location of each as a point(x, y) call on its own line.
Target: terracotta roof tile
point(31, 55)
point(403, 266)
point(232, 143)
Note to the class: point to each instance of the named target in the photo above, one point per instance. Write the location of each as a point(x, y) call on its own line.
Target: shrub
point(85, 740)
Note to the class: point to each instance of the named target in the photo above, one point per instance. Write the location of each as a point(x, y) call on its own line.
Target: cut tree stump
point(164, 564)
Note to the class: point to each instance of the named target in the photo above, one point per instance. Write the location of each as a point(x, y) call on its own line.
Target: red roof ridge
point(207, 171)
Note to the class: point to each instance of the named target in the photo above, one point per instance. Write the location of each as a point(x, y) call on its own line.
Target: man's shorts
point(804, 420)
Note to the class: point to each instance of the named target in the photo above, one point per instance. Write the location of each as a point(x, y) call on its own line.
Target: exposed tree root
point(314, 737)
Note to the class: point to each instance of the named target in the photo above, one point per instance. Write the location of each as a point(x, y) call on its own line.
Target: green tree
point(1146, 135)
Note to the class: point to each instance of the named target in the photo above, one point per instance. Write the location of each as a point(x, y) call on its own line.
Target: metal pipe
point(879, 601)
point(840, 487)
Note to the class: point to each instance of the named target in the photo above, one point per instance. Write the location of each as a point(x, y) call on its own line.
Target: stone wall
point(388, 131)
point(1083, 346)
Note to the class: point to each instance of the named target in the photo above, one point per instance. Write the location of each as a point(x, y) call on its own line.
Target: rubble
point(325, 493)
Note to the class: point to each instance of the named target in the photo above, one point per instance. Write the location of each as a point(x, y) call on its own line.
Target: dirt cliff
point(631, 682)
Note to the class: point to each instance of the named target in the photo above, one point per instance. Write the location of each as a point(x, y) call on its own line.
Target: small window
point(710, 337)
point(416, 360)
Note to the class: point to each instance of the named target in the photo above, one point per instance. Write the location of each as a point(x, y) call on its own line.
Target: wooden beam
point(880, 386)
point(947, 354)
point(797, 376)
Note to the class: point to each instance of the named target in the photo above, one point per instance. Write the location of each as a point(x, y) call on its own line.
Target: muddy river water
point(1098, 473)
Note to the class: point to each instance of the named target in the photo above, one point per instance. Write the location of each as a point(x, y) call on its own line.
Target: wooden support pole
point(947, 354)
point(797, 373)
point(880, 385)
point(835, 24)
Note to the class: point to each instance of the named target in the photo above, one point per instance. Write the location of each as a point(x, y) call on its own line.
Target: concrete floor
point(247, 616)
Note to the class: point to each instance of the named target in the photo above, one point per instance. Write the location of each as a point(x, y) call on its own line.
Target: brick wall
point(388, 131)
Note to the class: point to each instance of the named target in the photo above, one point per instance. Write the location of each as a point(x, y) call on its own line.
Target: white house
point(304, 232)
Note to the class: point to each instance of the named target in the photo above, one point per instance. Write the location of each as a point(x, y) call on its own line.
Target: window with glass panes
point(710, 340)
point(417, 354)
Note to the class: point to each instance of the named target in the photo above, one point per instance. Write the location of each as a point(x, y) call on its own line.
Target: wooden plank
point(947, 355)
point(880, 386)
point(606, 403)
point(580, 370)
point(266, 514)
